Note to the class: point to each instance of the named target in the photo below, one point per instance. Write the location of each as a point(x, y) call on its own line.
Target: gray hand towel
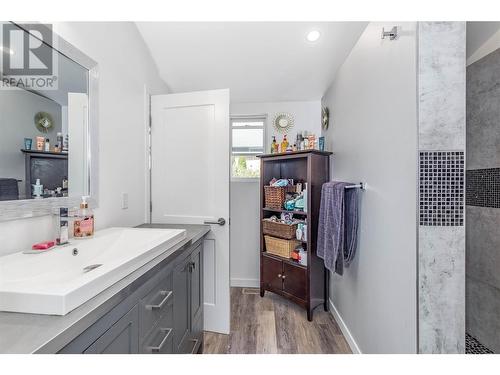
point(338, 225)
point(8, 189)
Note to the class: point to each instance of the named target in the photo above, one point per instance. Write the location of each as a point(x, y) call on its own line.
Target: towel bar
point(360, 185)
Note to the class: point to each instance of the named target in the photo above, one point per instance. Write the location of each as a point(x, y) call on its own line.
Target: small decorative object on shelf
point(274, 146)
point(290, 195)
point(43, 121)
point(40, 143)
point(284, 144)
point(325, 117)
point(321, 143)
point(283, 122)
point(27, 143)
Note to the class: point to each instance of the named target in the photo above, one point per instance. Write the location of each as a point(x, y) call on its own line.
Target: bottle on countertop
point(63, 227)
point(47, 145)
point(83, 226)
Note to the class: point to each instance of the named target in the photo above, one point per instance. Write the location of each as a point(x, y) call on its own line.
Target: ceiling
point(257, 61)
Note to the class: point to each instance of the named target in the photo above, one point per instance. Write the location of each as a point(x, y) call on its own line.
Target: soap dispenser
point(83, 226)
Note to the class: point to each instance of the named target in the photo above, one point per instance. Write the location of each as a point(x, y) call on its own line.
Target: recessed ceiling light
point(6, 50)
point(313, 35)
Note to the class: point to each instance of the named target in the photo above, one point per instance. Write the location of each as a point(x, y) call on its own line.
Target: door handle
point(221, 221)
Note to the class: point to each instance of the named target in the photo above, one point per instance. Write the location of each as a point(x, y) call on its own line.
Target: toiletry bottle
point(60, 141)
point(304, 193)
point(66, 142)
point(63, 227)
point(47, 145)
point(84, 224)
point(37, 189)
point(284, 144)
point(273, 145)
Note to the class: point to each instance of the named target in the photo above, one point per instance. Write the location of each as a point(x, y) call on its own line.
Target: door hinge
point(150, 206)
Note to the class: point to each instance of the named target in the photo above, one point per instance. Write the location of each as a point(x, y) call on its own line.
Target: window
point(247, 137)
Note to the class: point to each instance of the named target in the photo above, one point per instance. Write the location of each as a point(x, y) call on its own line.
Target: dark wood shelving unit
point(305, 285)
point(51, 167)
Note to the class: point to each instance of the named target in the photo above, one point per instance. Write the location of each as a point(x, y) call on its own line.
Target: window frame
point(234, 118)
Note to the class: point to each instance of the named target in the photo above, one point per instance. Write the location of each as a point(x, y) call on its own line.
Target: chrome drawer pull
point(195, 345)
point(156, 349)
point(167, 295)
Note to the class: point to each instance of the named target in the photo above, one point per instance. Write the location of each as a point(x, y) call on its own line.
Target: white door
point(190, 182)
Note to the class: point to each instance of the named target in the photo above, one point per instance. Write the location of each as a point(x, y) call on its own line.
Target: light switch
point(124, 201)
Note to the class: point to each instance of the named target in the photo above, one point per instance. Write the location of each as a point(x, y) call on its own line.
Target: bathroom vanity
point(158, 308)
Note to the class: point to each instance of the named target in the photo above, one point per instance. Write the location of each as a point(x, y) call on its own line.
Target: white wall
point(245, 204)
point(18, 109)
point(373, 133)
point(125, 66)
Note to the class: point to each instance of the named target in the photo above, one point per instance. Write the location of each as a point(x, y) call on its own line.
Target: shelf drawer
point(295, 280)
point(154, 305)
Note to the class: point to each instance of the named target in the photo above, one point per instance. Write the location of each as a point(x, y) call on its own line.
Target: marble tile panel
point(441, 289)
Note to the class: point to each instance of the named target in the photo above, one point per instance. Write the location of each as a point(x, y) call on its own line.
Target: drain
point(91, 267)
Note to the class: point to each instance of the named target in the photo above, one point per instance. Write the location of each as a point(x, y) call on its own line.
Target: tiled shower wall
point(441, 143)
point(483, 201)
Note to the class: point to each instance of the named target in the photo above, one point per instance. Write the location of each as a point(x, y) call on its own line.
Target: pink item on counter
point(43, 245)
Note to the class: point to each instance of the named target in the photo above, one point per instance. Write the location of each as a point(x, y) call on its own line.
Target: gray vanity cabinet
point(164, 313)
point(120, 338)
point(188, 303)
point(196, 334)
point(181, 305)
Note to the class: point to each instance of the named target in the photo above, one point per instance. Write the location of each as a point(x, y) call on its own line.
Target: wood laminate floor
point(274, 325)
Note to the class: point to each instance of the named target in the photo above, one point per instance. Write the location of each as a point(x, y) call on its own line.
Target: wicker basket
point(281, 230)
point(274, 196)
point(280, 247)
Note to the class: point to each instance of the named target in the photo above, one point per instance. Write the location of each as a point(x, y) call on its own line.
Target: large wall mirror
point(48, 137)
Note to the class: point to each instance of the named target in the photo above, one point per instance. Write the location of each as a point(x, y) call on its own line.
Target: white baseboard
point(345, 330)
point(245, 283)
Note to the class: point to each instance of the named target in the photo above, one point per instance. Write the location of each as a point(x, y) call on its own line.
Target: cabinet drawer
point(153, 306)
point(160, 341)
point(121, 338)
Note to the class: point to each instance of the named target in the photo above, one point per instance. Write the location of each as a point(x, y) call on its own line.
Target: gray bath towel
point(338, 225)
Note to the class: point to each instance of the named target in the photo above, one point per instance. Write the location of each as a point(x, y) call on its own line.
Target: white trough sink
point(56, 281)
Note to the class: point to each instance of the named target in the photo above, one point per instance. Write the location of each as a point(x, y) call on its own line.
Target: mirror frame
point(27, 208)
